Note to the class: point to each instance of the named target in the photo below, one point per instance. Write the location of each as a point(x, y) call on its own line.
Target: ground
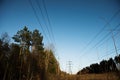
point(103, 76)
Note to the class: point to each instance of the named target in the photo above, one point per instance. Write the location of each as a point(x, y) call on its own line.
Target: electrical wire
point(35, 13)
point(43, 16)
point(91, 41)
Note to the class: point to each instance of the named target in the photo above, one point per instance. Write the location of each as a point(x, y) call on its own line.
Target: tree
point(5, 38)
point(104, 66)
point(37, 40)
point(117, 59)
point(4, 42)
point(26, 67)
point(111, 64)
point(4, 55)
point(23, 37)
point(94, 68)
point(4, 45)
point(52, 63)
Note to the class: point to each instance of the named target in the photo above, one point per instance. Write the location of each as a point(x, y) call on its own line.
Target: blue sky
point(75, 23)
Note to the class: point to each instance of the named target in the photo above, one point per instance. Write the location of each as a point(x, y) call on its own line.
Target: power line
point(51, 30)
point(44, 19)
point(112, 29)
point(35, 13)
point(110, 52)
point(100, 31)
point(106, 36)
point(108, 39)
point(113, 39)
point(47, 20)
point(50, 25)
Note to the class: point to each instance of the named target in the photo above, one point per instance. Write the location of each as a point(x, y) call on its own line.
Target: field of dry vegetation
point(104, 76)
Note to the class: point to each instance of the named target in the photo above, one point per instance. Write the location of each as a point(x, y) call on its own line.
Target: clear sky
point(78, 26)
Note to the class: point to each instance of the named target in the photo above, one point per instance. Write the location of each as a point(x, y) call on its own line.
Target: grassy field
point(104, 76)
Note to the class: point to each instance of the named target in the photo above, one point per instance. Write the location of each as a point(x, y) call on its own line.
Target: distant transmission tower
point(69, 67)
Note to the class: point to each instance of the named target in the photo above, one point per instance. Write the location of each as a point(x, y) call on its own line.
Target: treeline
point(26, 59)
point(111, 65)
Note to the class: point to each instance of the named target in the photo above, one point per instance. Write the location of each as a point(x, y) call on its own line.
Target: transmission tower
point(69, 67)
point(114, 43)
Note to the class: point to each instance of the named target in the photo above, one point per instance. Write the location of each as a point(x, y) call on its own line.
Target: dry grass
point(105, 76)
